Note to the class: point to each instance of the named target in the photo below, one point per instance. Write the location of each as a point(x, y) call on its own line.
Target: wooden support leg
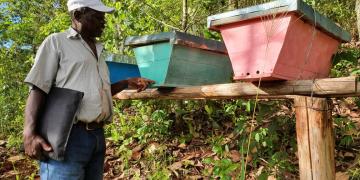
point(315, 138)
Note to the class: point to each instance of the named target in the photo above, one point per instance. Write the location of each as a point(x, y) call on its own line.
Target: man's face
point(93, 23)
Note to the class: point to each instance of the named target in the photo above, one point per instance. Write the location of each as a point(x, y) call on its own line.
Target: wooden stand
point(331, 87)
point(315, 138)
point(314, 125)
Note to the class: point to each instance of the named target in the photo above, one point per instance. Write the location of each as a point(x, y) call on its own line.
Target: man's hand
point(139, 83)
point(34, 145)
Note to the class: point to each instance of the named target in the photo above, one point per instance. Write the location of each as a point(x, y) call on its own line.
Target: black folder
point(57, 119)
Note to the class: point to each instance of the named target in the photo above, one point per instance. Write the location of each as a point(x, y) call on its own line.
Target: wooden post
point(315, 138)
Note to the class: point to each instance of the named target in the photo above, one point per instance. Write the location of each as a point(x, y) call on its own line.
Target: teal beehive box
point(175, 59)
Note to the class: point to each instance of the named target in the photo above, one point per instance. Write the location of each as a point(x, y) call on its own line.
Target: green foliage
point(342, 12)
point(13, 92)
point(280, 163)
point(146, 122)
point(124, 152)
point(162, 174)
point(346, 131)
point(222, 168)
point(27, 23)
point(218, 147)
point(346, 63)
point(355, 171)
point(143, 127)
point(155, 128)
point(357, 101)
point(260, 137)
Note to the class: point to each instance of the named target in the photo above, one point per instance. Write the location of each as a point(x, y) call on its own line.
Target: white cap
point(93, 4)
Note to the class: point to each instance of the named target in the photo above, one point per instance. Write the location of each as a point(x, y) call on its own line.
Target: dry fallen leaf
point(175, 166)
point(259, 171)
point(182, 146)
point(136, 155)
point(228, 125)
point(249, 158)
point(2, 143)
point(341, 176)
point(349, 155)
point(193, 177)
point(191, 156)
point(188, 162)
point(235, 156)
point(10, 174)
point(199, 164)
point(16, 158)
point(151, 149)
point(208, 154)
point(354, 114)
point(176, 153)
point(137, 148)
point(254, 150)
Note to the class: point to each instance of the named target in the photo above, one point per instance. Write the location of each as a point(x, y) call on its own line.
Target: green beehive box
point(175, 59)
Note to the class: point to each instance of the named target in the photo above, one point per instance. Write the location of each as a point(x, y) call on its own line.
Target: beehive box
point(121, 67)
point(175, 59)
point(284, 39)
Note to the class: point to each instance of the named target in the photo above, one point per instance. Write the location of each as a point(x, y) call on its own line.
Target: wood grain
point(315, 136)
point(331, 87)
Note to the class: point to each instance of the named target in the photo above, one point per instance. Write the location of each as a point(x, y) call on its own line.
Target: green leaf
point(209, 110)
point(207, 161)
point(226, 148)
point(248, 106)
point(257, 137)
point(263, 176)
point(264, 144)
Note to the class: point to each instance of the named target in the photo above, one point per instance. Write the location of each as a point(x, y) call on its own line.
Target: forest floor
point(187, 159)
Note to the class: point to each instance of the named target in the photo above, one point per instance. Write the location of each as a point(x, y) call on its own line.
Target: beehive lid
point(305, 11)
point(176, 37)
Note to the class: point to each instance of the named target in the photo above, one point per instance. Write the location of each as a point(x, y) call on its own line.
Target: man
point(72, 60)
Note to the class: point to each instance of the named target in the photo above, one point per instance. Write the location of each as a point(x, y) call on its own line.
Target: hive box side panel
point(153, 61)
point(255, 45)
point(192, 66)
point(122, 71)
point(307, 52)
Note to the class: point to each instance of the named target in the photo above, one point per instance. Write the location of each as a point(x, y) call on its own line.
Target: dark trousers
point(84, 157)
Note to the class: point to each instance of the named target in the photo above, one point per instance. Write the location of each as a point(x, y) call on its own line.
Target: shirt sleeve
point(44, 70)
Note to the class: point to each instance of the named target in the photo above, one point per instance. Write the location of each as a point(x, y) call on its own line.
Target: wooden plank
point(331, 87)
point(315, 136)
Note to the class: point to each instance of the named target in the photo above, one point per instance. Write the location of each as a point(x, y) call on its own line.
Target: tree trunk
point(357, 8)
point(185, 15)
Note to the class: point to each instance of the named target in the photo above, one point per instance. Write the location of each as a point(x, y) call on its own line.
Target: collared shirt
point(65, 60)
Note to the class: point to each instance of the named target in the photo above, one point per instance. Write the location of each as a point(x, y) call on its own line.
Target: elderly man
point(72, 59)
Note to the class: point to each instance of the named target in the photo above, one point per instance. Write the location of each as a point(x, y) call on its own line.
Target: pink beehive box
point(280, 40)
